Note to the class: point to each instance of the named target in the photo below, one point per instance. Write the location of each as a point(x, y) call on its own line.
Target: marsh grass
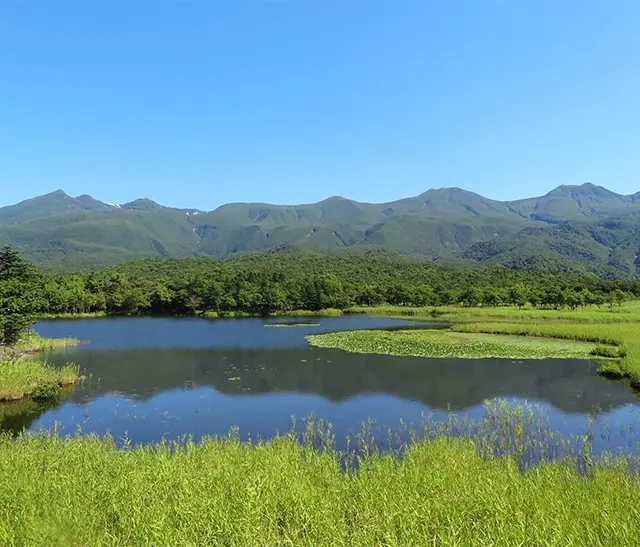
point(24, 377)
point(32, 343)
point(461, 483)
point(625, 336)
point(82, 315)
point(445, 343)
point(616, 329)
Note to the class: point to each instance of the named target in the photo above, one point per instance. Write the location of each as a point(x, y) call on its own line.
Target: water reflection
point(569, 385)
point(200, 378)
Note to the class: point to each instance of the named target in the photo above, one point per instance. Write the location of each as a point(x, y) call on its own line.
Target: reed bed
point(24, 377)
point(32, 343)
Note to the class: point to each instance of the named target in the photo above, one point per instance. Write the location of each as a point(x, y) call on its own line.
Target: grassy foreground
point(84, 491)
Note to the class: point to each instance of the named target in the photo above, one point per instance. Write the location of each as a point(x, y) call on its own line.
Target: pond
point(163, 378)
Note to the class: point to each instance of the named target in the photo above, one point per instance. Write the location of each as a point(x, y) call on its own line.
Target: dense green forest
point(265, 283)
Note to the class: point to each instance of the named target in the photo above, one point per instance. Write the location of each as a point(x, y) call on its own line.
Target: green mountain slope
point(608, 248)
point(571, 228)
point(47, 205)
point(579, 203)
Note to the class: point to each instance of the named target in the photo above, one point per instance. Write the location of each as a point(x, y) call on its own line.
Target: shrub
point(606, 351)
point(611, 369)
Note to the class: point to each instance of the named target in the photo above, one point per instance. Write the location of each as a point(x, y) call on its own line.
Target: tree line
point(265, 283)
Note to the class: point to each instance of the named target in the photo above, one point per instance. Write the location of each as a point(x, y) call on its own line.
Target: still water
point(155, 378)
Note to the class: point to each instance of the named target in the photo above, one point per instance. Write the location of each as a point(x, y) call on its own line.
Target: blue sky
point(202, 103)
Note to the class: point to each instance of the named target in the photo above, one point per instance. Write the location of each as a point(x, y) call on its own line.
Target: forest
point(267, 283)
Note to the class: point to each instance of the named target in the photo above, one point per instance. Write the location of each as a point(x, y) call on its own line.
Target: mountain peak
point(584, 189)
point(142, 204)
point(55, 194)
point(449, 191)
point(90, 203)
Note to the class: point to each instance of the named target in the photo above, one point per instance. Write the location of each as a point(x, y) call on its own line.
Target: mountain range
point(572, 228)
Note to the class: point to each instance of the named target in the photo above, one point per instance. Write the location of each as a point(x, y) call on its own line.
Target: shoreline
point(618, 327)
point(23, 377)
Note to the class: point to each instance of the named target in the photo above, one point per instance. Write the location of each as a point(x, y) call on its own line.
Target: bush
point(46, 392)
point(607, 351)
point(611, 370)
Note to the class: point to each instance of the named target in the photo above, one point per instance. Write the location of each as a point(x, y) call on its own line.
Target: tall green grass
point(28, 377)
point(627, 312)
point(32, 343)
point(443, 491)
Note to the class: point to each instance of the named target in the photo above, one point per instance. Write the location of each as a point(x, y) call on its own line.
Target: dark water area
point(164, 378)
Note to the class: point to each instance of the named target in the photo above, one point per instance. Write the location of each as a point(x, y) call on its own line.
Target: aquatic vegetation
point(445, 343)
point(611, 369)
point(441, 491)
point(625, 335)
point(32, 342)
point(607, 327)
point(23, 377)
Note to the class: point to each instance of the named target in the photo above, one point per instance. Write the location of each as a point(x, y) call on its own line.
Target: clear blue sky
point(195, 103)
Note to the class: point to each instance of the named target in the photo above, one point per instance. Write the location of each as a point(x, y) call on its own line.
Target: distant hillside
point(574, 228)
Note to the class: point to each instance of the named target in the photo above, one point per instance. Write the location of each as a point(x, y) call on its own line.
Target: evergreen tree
point(19, 295)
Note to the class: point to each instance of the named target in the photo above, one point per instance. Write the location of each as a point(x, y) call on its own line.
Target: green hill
point(576, 228)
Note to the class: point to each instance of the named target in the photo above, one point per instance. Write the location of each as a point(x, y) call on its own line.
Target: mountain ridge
point(444, 224)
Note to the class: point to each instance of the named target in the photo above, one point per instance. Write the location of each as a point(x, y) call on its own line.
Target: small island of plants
point(445, 343)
